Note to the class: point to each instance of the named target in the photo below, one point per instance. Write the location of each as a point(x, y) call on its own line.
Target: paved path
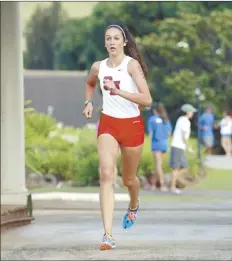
point(190, 199)
point(211, 205)
point(219, 162)
point(168, 234)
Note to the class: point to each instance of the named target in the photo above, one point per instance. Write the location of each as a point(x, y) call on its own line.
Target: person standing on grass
point(226, 133)
point(181, 134)
point(207, 121)
point(124, 87)
point(159, 128)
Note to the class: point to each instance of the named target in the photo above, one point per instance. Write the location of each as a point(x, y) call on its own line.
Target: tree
point(81, 41)
point(40, 35)
point(70, 45)
point(190, 50)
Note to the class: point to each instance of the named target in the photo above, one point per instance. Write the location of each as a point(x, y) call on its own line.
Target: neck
point(116, 60)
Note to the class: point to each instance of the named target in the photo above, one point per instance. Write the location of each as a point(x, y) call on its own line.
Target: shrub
point(68, 153)
point(46, 153)
point(40, 123)
point(87, 158)
point(71, 154)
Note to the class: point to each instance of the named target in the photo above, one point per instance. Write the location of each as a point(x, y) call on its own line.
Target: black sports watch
point(86, 102)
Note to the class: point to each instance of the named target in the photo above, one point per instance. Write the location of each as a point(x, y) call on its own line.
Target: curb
point(69, 196)
point(90, 201)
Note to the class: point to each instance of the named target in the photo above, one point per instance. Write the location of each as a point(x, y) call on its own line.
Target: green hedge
point(55, 154)
point(78, 161)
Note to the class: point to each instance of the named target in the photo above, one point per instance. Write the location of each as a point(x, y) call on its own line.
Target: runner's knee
point(106, 174)
point(128, 182)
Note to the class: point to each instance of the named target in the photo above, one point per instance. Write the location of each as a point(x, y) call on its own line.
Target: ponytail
point(161, 111)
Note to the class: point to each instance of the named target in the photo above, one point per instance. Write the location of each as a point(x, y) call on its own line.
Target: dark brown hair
point(131, 48)
point(229, 113)
point(160, 109)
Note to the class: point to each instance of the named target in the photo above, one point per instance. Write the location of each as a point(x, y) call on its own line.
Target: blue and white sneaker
point(108, 242)
point(130, 217)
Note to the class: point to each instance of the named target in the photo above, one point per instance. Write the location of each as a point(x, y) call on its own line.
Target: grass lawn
point(216, 180)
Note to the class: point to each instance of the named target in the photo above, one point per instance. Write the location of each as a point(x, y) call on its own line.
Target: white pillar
point(13, 189)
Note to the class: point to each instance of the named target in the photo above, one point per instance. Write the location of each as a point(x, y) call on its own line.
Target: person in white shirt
point(226, 133)
point(181, 134)
point(124, 88)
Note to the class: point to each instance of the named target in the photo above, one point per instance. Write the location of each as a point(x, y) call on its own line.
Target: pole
point(198, 92)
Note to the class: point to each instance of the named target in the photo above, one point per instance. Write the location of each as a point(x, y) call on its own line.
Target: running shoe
point(108, 242)
point(176, 191)
point(163, 189)
point(130, 217)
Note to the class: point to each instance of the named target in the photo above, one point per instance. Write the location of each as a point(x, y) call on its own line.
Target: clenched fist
point(88, 110)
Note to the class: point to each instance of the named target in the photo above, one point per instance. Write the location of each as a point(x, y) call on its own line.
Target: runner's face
point(114, 41)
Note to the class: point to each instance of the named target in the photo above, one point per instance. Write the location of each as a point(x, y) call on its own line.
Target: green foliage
point(40, 35)
point(146, 164)
point(80, 42)
point(184, 44)
point(44, 153)
point(71, 154)
point(68, 153)
point(191, 50)
point(40, 123)
point(74, 46)
point(87, 157)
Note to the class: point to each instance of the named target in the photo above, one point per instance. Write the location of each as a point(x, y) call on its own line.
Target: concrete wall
point(64, 91)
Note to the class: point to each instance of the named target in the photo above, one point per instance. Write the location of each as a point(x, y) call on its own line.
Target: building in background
point(60, 94)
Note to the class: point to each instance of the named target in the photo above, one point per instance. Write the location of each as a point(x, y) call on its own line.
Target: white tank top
point(114, 105)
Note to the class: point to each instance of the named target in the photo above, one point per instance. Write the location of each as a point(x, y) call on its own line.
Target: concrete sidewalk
point(191, 200)
point(212, 205)
point(219, 162)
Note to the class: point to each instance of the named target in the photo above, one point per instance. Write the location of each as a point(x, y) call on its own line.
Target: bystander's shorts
point(208, 141)
point(159, 146)
point(128, 132)
point(178, 158)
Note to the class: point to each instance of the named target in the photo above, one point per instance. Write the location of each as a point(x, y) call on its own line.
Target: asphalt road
point(194, 234)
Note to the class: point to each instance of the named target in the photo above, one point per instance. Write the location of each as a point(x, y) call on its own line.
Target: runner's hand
point(109, 85)
point(88, 110)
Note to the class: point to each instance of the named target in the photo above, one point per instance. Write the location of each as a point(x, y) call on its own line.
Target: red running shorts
point(128, 132)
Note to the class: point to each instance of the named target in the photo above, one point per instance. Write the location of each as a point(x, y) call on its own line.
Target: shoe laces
point(108, 236)
point(132, 213)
